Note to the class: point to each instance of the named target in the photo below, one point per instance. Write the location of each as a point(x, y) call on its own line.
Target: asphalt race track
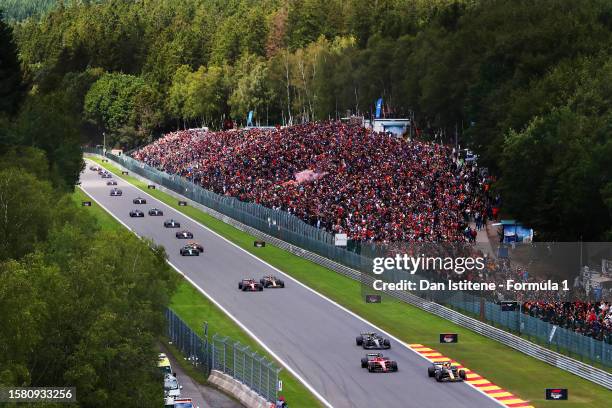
point(310, 334)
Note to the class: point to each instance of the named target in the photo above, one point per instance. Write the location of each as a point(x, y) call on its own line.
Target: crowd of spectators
point(593, 319)
point(342, 178)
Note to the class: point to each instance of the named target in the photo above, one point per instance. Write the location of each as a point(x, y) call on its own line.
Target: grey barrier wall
point(285, 231)
point(225, 355)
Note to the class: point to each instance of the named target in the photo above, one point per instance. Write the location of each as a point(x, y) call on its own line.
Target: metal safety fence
point(245, 365)
point(225, 355)
point(292, 230)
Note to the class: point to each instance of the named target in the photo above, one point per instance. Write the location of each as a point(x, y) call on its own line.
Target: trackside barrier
point(225, 355)
point(283, 230)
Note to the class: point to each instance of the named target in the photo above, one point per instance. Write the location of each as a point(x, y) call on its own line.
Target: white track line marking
point(353, 314)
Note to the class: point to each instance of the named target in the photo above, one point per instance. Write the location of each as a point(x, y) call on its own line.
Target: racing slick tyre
point(370, 369)
point(439, 376)
point(240, 286)
point(364, 362)
point(282, 284)
point(462, 374)
point(359, 340)
point(431, 371)
point(387, 343)
point(393, 366)
point(260, 288)
point(262, 282)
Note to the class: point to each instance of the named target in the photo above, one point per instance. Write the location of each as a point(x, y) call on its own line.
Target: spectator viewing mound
point(339, 177)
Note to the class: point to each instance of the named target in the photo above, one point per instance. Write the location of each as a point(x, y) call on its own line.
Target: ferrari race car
point(271, 281)
point(250, 285)
point(184, 234)
point(172, 224)
point(377, 363)
point(444, 371)
point(189, 251)
point(111, 183)
point(136, 213)
point(154, 212)
point(139, 201)
point(373, 341)
point(195, 245)
point(115, 192)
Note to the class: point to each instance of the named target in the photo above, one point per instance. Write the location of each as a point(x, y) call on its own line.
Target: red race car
point(250, 285)
point(377, 363)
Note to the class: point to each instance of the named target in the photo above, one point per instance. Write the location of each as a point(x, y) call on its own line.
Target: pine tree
point(11, 85)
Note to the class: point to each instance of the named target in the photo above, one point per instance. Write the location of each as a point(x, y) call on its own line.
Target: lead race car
point(445, 371)
point(377, 363)
point(250, 285)
point(271, 281)
point(373, 341)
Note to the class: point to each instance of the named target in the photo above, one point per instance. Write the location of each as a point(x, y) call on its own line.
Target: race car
point(154, 212)
point(95, 168)
point(377, 363)
point(195, 245)
point(373, 341)
point(107, 175)
point(115, 192)
point(250, 285)
point(172, 224)
point(139, 201)
point(271, 281)
point(111, 183)
point(189, 251)
point(136, 213)
point(444, 371)
point(184, 234)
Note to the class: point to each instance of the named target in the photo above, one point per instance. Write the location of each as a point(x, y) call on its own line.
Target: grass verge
point(520, 374)
point(194, 308)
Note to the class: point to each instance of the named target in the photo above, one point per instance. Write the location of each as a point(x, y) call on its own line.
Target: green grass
point(524, 376)
point(194, 308)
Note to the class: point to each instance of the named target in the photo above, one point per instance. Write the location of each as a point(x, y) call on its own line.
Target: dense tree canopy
point(491, 69)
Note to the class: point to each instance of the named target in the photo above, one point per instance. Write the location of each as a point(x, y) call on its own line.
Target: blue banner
point(379, 103)
point(250, 118)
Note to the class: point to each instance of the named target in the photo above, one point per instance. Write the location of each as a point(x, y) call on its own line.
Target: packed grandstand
point(339, 177)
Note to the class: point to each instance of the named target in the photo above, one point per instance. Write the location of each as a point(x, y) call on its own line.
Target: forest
point(525, 84)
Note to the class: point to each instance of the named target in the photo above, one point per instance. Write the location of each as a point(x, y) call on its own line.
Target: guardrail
point(561, 361)
point(225, 355)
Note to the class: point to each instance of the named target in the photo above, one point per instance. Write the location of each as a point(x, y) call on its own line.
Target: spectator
point(340, 177)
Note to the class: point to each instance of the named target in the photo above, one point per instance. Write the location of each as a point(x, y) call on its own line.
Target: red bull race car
point(377, 363)
point(445, 371)
point(250, 285)
point(271, 281)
